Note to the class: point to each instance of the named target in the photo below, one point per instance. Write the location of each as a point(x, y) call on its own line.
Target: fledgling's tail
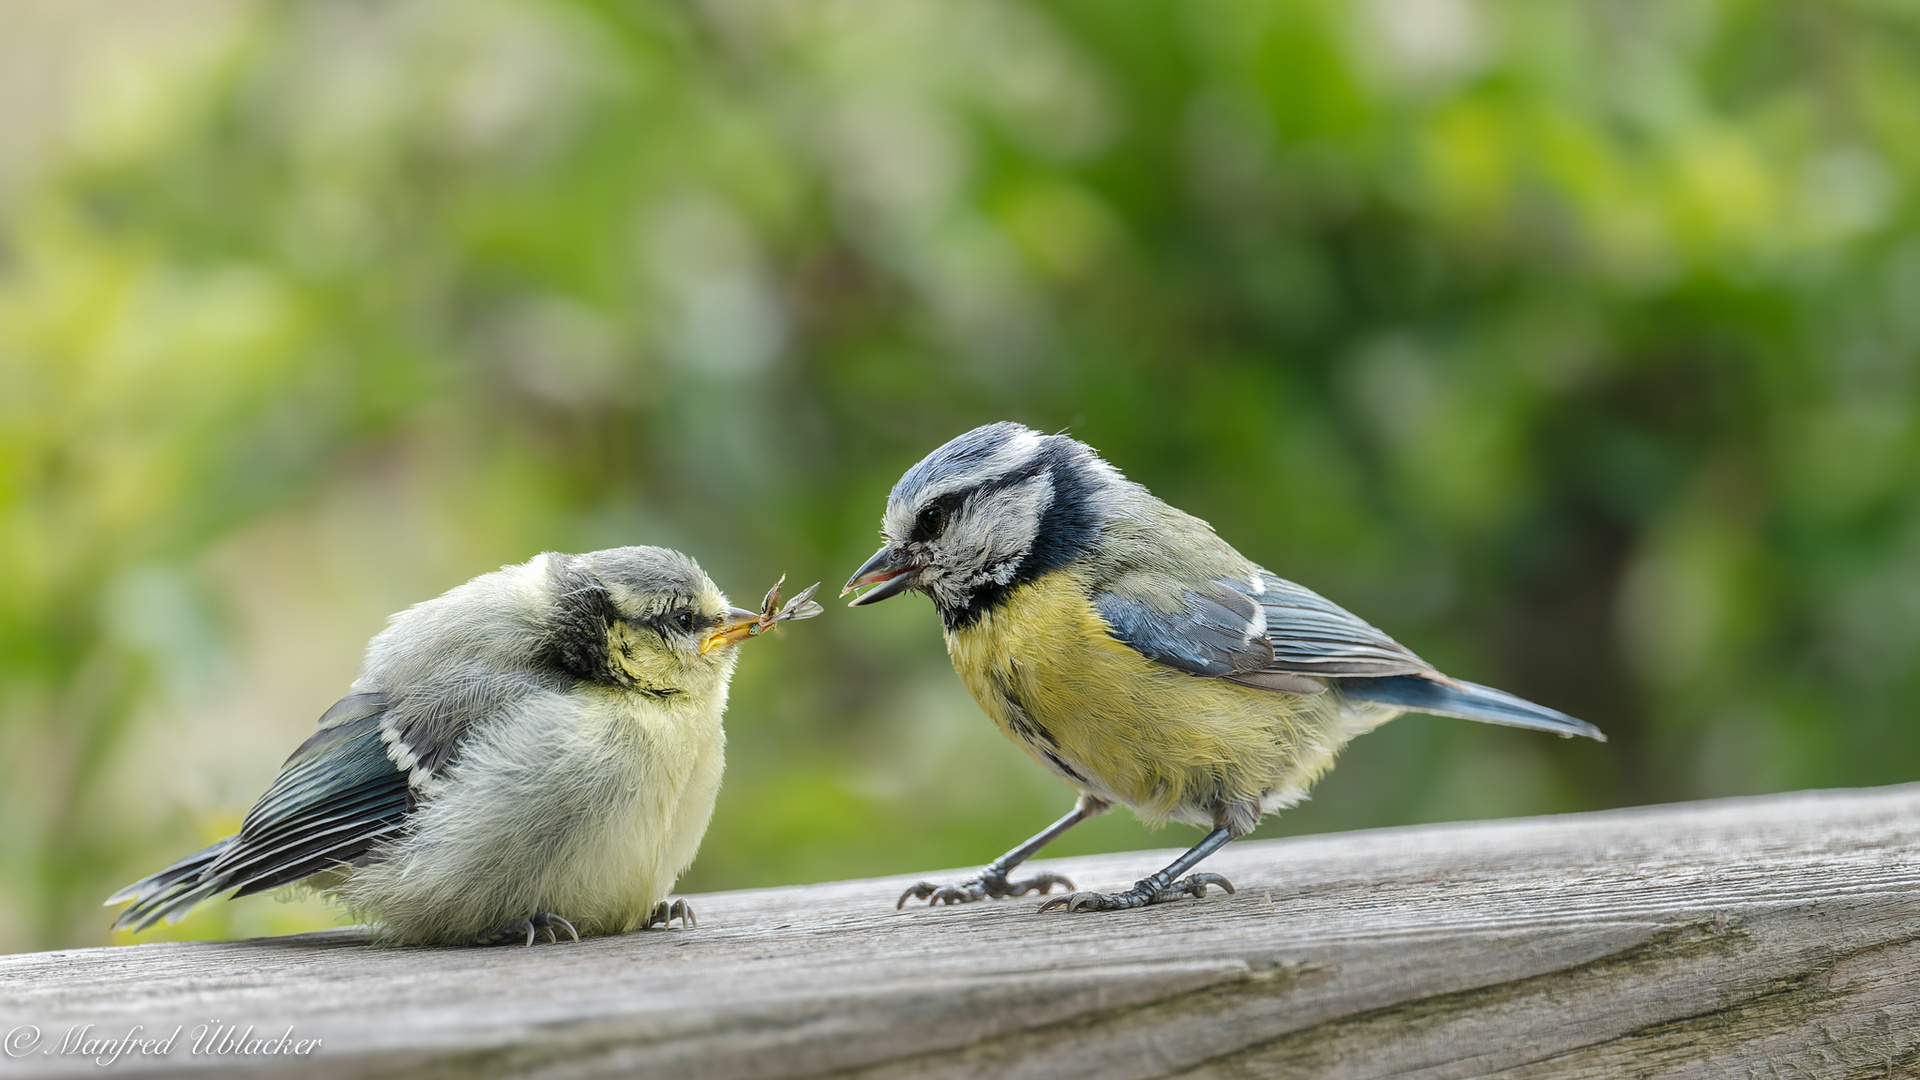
point(1469, 701)
point(169, 893)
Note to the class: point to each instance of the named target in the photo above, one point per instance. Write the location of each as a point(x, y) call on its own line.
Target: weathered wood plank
point(1775, 937)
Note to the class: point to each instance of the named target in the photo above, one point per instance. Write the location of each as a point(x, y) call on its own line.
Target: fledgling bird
point(1135, 654)
point(538, 749)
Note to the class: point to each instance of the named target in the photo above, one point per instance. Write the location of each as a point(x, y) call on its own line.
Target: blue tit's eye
point(932, 519)
point(684, 621)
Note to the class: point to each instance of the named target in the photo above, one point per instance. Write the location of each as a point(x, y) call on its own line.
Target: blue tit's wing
point(1259, 630)
point(1212, 629)
point(1266, 632)
point(349, 787)
point(1209, 628)
point(1311, 635)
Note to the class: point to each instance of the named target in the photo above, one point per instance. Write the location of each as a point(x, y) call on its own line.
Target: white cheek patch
point(985, 544)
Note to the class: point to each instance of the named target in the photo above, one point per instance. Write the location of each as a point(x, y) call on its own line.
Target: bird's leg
point(992, 881)
point(664, 914)
point(1157, 888)
point(526, 931)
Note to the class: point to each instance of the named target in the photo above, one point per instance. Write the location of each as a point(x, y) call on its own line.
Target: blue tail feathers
point(1469, 701)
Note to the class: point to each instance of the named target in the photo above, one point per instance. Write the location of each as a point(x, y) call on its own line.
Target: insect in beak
point(742, 624)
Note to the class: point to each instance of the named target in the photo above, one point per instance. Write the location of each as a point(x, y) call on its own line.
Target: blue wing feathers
point(1312, 635)
point(1302, 643)
point(342, 845)
point(337, 796)
point(343, 836)
point(174, 889)
point(1212, 632)
point(1229, 627)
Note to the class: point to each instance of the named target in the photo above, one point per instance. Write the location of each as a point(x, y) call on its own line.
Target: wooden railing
point(1764, 937)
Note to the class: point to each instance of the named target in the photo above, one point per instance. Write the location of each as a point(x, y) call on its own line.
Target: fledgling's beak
point(888, 571)
point(738, 626)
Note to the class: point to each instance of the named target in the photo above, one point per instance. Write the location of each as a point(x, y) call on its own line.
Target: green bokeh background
point(1572, 343)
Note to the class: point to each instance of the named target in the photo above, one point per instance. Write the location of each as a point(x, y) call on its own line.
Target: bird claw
point(547, 920)
point(1193, 885)
point(980, 887)
point(513, 930)
point(964, 892)
point(664, 914)
point(529, 929)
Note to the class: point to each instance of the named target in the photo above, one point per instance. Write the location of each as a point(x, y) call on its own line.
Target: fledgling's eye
point(684, 621)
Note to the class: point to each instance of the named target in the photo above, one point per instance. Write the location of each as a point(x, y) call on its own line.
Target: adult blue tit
point(537, 750)
point(1139, 657)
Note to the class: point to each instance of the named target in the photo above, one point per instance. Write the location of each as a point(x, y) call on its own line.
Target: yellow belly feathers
point(1118, 726)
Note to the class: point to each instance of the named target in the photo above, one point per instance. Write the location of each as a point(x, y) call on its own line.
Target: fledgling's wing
point(337, 796)
point(427, 726)
point(347, 788)
point(333, 799)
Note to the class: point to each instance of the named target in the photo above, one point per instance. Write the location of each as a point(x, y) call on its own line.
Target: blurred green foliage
point(1572, 343)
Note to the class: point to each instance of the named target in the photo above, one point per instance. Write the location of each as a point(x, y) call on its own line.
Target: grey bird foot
point(664, 914)
point(1142, 894)
point(527, 931)
point(981, 886)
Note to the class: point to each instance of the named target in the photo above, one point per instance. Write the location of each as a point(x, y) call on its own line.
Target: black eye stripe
point(937, 514)
point(934, 516)
point(679, 621)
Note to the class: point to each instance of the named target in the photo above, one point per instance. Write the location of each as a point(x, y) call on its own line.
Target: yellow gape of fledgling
point(537, 750)
point(1128, 649)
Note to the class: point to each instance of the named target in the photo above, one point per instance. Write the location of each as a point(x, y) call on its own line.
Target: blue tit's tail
point(1469, 701)
point(169, 893)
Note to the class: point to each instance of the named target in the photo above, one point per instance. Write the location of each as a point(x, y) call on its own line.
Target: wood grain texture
point(1774, 937)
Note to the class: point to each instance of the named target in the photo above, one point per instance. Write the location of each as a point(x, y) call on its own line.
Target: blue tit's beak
point(738, 625)
point(890, 574)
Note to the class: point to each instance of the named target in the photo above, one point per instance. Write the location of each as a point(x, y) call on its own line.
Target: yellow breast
point(1119, 726)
